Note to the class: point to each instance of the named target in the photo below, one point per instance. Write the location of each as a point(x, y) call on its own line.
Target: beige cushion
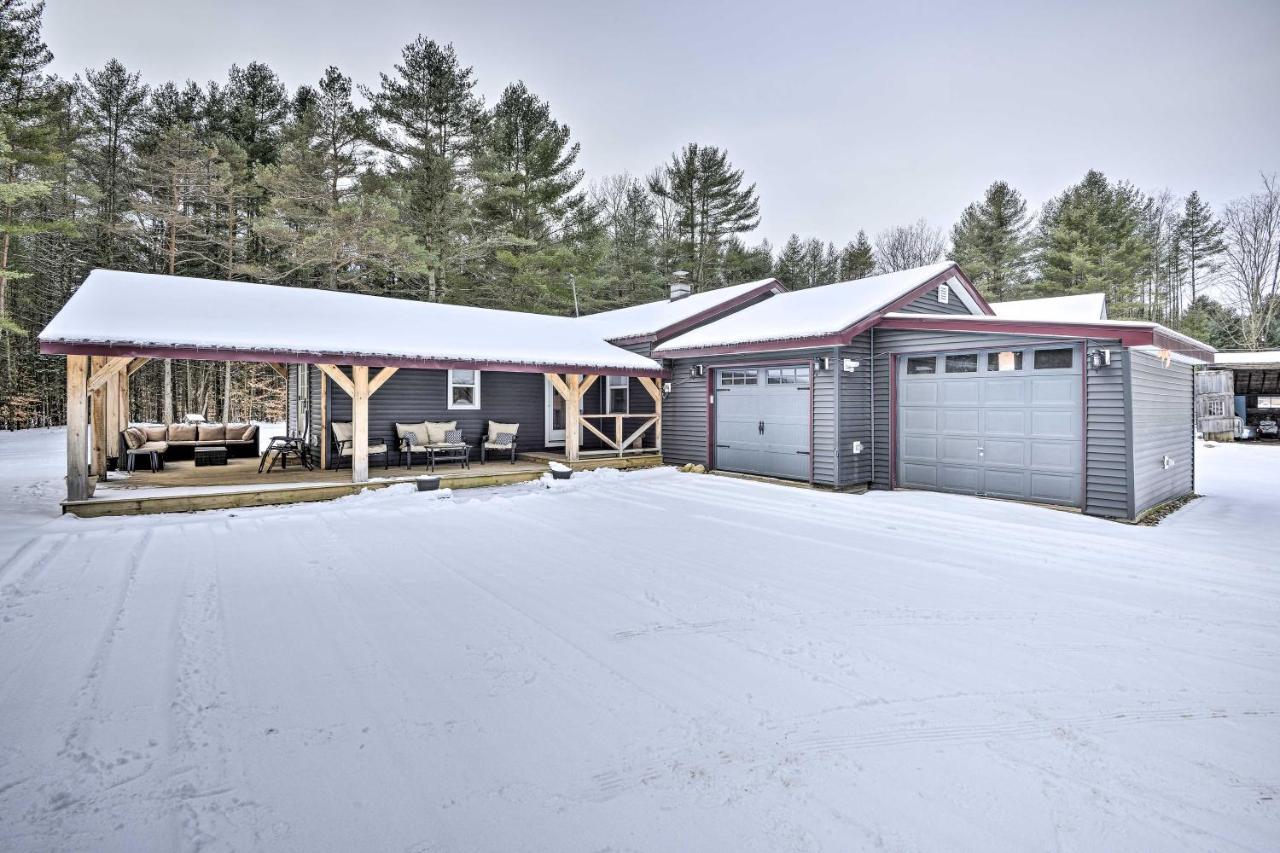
point(182, 432)
point(495, 428)
point(157, 446)
point(134, 437)
point(236, 432)
point(211, 432)
point(437, 429)
point(156, 433)
point(341, 430)
point(348, 450)
point(419, 431)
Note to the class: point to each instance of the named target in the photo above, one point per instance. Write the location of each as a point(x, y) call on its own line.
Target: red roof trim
point(749, 297)
point(844, 336)
point(290, 357)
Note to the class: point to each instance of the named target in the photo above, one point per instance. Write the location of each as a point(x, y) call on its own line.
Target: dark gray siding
point(1161, 425)
point(291, 398)
point(314, 377)
point(855, 413)
point(929, 304)
point(686, 408)
point(1106, 451)
point(412, 396)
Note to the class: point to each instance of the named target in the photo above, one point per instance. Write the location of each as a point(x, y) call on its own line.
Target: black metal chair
point(343, 448)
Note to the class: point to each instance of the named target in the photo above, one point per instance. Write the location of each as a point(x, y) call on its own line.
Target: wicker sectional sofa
point(179, 441)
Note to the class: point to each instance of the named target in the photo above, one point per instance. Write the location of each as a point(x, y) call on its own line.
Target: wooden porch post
point(78, 486)
point(653, 387)
point(360, 424)
point(98, 421)
point(572, 417)
point(113, 419)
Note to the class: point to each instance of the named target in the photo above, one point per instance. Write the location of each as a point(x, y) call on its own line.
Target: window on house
point(617, 394)
point(737, 377)
point(1002, 361)
point(464, 389)
point(1269, 402)
point(967, 363)
point(918, 364)
point(1054, 359)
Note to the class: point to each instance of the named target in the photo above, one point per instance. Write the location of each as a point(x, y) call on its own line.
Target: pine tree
point(629, 266)
point(1091, 239)
point(110, 106)
point(711, 204)
point(857, 259)
point(790, 265)
point(743, 263)
point(990, 242)
point(430, 115)
point(1200, 239)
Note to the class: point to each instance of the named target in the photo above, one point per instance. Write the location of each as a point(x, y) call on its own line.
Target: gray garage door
point(762, 421)
point(1005, 423)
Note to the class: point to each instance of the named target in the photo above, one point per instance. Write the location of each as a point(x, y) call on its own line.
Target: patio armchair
point(500, 439)
point(344, 448)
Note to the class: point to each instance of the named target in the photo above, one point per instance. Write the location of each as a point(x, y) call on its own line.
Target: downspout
point(838, 439)
point(875, 449)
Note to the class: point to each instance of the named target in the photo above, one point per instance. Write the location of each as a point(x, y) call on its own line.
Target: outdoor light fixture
point(1099, 358)
point(698, 370)
point(822, 363)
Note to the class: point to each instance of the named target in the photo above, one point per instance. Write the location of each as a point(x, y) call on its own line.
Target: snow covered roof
point(1080, 307)
point(649, 321)
point(1263, 356)
point(800, 317)
point(127, 313)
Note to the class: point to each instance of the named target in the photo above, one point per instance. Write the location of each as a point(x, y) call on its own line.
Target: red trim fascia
point(291, 357)
point(742, 300)
point(840, 338)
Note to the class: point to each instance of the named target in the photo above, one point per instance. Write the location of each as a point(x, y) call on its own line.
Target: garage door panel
point(1011, 434)
point(763, 428)
point(1055, 424)
point(920, 447)
point(1004, 452)
point(1012, 391)
point(920, 420)
point(961, 391)
point(1054, 390)
point(960, 449)
point(920, 392)
point(960, 420)
point(1005, 422)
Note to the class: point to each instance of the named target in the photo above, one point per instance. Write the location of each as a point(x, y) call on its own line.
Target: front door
point(555, 415)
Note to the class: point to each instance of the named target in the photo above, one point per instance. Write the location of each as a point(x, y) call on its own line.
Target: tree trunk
point(166, 405)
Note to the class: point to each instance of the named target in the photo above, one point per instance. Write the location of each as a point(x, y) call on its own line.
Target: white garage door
point(762, 420)
point(1005, 423)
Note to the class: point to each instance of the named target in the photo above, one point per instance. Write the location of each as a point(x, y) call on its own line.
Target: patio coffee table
point(210, 456)
point(449, 453)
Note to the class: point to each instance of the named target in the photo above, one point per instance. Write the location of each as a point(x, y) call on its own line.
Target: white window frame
point(1269, 402)
point(475, 404)
point(609, 388)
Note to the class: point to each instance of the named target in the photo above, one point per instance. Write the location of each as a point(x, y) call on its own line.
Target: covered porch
point(357, 343)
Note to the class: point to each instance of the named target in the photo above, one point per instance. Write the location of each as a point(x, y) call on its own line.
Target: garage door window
point(787, 376)
point(917, 365)
point(1054, 359)
point(737, 377)
point(967, 363)
point(1000, 362)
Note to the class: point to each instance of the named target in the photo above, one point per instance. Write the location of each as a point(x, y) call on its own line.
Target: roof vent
point(680, 287)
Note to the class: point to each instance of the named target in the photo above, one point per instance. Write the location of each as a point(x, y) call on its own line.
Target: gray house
point(912, 380)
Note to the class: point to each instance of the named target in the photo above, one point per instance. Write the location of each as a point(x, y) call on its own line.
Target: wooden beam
point(339, 378)
point(587, 425)
point(360, 424)
point(572, 419)
point(78, 486)
point(136, 365)
point(652, 387)
point(105, 368)
point(97, 418)
point(112, 392)
point(278, 368)
point(639, 432)
point(558, 384)
point(324, 418)
point(587, 383)
point(381, 379)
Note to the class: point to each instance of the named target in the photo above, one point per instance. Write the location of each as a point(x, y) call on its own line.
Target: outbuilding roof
point(654, 320)
point(128, 313)
point(822, 315)
point(1079, 307)
point(1261, 358)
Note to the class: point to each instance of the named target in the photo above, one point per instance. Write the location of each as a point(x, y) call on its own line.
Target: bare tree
point(905, 247)
point(1251, 280)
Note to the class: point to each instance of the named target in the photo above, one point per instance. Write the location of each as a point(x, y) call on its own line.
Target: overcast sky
point(846, 115)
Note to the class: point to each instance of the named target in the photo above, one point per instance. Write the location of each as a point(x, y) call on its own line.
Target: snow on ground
point(640, 661)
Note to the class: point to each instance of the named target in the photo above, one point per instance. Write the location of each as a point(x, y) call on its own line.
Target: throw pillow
point(453, 436)
point(496, 428)
point(436, 430)
point(235, 432)
point(156, 433)
point(182, 432)
point(212, 432)
point(135, 438)
point(504, 439)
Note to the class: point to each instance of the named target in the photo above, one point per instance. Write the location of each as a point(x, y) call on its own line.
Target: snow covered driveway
point(643, 661)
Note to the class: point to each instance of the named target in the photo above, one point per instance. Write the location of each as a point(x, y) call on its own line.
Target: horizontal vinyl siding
point(292, 372)
point(855, 413)
point(1160, 400)
point(1106, 474)
point(929, 304)
point(685, 411)
point(413, 396)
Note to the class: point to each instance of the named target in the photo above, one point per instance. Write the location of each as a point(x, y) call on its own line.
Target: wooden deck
point(181, 487)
